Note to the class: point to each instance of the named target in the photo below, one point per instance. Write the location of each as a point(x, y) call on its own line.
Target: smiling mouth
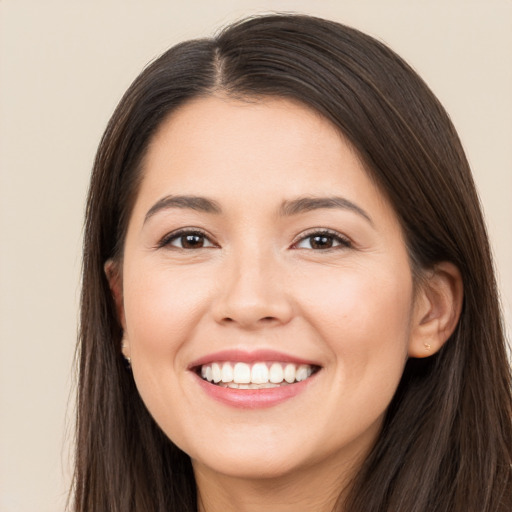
point(258, 375)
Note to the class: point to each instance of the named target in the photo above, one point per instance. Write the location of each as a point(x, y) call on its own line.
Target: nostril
point(264, 320)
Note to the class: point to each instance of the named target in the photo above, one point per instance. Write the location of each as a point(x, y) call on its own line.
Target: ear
point(115, 282)
point(437, 308)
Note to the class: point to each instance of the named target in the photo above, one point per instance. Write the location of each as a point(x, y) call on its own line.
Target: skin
point(259, 283)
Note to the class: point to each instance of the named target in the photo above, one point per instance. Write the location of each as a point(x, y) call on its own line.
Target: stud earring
point(427, 346)
point(123, 350)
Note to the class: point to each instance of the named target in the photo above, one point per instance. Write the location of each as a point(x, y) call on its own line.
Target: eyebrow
point(200, 204)
point(307, 204)
point(287, 209)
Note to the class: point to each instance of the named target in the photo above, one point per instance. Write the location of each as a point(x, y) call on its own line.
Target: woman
point(288, 297)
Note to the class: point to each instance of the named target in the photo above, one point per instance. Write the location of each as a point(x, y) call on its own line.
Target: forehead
point(215, 132)
point(253, 148)
point(244, 126)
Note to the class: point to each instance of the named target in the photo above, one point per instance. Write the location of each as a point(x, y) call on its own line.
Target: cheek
point(162, 309)
point(364, 318)
point(358, 299)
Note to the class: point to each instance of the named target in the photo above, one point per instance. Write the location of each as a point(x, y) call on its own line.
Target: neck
point(312, 489)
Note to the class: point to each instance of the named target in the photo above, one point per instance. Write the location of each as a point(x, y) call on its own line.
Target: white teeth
point(256, 376)
point(233, 385)
point(302, 373)
point(227, 373)
point(289, 373)
point(276, 373)
point(259, 373)
point(242, 373)
point(216, 375)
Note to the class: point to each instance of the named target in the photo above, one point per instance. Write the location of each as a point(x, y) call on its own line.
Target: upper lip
point(250, 356)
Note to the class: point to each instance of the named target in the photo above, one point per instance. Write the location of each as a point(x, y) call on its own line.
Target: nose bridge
point(252, 290)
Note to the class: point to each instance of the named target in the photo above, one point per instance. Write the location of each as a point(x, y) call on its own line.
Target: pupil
point(321, 242)
point(190, 241)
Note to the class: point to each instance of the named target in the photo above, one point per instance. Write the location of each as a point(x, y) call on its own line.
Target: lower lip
point(253, 398)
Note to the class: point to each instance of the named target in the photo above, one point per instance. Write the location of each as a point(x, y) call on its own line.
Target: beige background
point(64, 65)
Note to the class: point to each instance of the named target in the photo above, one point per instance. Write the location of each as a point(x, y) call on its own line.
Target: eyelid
point(169, 237)
point(345, 242)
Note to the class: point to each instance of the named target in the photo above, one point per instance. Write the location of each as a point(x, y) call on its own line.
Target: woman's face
point(266, 295)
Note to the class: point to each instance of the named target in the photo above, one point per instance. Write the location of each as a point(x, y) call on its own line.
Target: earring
point(427, 346)
point(123, 350)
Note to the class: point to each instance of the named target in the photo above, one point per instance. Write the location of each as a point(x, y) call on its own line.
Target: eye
point(187, 239)
point(322, 240)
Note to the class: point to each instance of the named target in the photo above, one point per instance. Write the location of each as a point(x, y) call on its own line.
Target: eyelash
point(175, 235)
point(341, 241)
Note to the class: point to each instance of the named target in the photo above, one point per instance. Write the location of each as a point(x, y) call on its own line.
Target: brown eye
point(191, 241)
point(323, 240)
point(187, 240)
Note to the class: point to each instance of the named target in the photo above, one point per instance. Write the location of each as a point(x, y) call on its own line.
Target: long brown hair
point(446, 443)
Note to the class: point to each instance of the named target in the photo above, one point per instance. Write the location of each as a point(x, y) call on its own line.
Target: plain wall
point(63, 67)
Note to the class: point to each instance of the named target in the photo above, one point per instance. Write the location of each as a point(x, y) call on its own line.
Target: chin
point(256, 466)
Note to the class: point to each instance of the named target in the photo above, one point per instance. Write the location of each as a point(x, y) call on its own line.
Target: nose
point(252, 293)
